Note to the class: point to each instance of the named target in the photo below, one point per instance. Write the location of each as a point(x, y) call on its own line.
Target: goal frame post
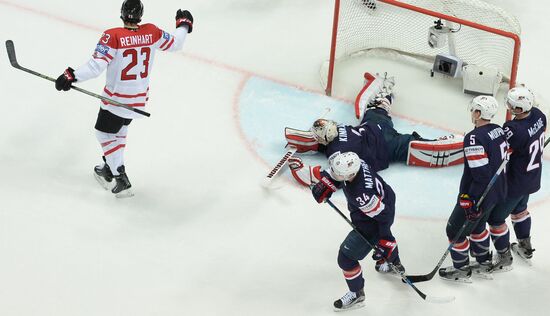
point(334, 39)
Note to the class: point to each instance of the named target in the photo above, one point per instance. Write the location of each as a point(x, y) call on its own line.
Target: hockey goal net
point(481, 34)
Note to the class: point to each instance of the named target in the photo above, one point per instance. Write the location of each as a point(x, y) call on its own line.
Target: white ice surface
point(201, 237)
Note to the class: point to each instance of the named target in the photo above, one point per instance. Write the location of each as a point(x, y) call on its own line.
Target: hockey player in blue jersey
point(371, 203)
point(525, 134)
point(375, 139)
point(485, 149)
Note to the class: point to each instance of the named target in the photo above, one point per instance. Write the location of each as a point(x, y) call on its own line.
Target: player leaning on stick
point(525, 134)
point(485, 149)
point(375, 140)
point(127, 53)
point(371, 203)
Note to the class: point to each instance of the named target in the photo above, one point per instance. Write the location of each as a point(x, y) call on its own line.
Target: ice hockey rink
point(201, 236)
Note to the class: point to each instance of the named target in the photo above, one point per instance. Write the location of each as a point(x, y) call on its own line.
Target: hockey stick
point(429, 276)
point(10, 47)
point(280, 164)
point(401, 274)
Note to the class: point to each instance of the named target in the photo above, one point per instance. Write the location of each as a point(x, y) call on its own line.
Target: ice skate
point(103, 175)
point(122, 186)
point(462, 274)
point(351, 300)
point(383, 267)
point(482, 270)
point(524, 249)
point(503, 261)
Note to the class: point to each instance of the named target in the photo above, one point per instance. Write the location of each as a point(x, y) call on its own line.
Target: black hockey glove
point(184, 18)
point(64, 81)
point(324, 188)
point(469, 206)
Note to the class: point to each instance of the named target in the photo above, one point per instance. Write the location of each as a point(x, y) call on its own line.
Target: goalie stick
point(429, 276)
point(10, 47)
point(280, 164)
point(268, 180)
point(404, 278)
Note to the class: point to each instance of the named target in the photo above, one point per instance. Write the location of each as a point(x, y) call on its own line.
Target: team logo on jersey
point(102, 49)
point(165, 35)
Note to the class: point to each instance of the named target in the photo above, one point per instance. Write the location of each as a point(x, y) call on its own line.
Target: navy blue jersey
point(369, 196)
point(526, 140)
point(366, 140)
point(485, 148)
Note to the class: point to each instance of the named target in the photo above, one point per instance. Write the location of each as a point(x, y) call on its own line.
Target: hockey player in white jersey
point(127, 53)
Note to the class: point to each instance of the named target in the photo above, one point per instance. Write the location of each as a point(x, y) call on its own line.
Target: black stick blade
point(10, 47)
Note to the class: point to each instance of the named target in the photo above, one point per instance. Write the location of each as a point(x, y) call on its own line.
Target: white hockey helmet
point(324, 131)
point(520, 97)
point(486, 104)
point(344, 166)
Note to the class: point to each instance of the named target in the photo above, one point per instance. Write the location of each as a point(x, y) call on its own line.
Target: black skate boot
point(524, 249)
point(351, 300)
point(103, 175)
point(122, 186)
point(503, 261)
point(382, 266)
point(451, 273)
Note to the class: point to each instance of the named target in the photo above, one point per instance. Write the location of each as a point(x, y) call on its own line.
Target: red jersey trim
point(169, 44)
point(128, 96)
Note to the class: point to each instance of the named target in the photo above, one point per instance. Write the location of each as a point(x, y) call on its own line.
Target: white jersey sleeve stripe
point(478, 163)
point(374, 207)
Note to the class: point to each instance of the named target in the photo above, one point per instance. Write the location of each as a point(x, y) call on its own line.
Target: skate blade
point(457, 280)
point(527, 261)
point(355, 306)
point(124, 194)
point(104, 184)
point(503, 269)
point(485, 276)
point(516, 252)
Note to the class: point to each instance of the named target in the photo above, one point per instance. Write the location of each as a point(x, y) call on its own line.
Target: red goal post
point(485, 34)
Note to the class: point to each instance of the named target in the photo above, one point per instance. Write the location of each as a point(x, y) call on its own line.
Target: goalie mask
point(344, 166)
point(486, 105)
point(131, 11)
point(324, 131)
point(520, 97)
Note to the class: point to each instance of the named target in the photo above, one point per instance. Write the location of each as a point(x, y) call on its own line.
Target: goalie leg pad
point(303, 141)
point(437, 153)
point(376, 92)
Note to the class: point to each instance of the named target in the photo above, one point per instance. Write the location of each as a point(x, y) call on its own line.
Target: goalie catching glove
point(302, 140)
